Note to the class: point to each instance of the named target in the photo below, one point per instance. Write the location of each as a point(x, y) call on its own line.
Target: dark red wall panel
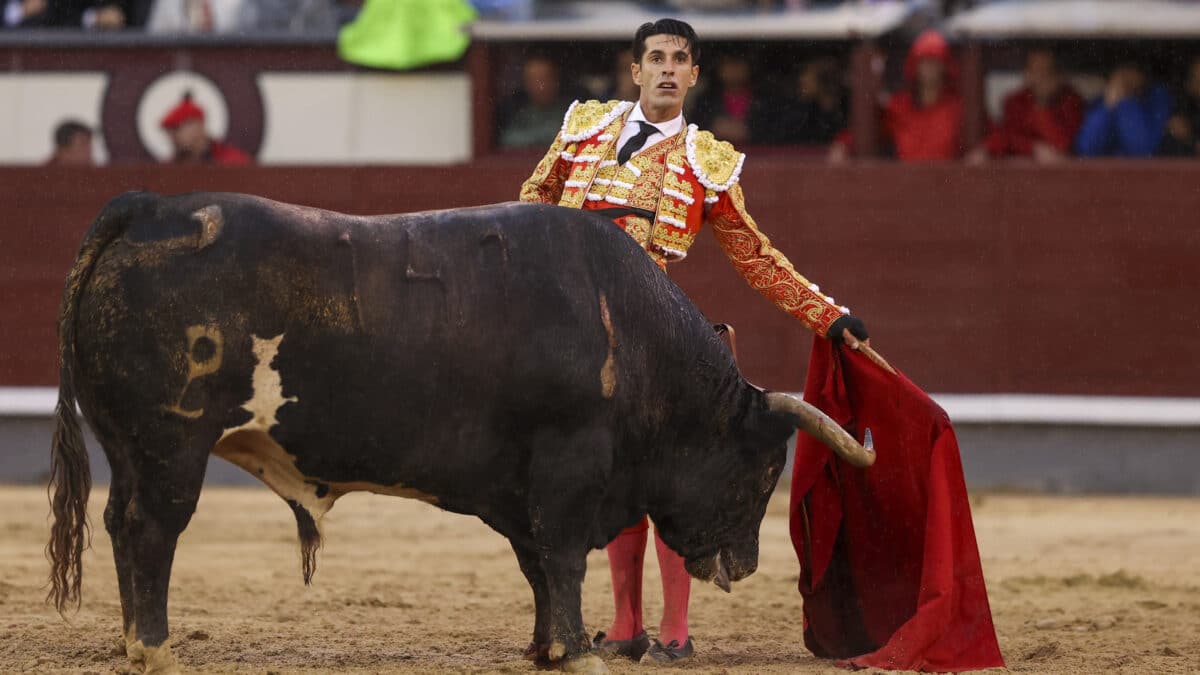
point(1081, 278)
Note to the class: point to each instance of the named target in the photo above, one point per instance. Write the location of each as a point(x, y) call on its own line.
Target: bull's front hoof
point(127, 641)
point(584, 663)
point(536, 653)
point(153, 660)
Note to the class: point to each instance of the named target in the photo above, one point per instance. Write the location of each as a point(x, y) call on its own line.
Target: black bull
point(525, 364)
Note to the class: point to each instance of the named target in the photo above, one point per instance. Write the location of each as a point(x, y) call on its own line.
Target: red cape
point(890, 571)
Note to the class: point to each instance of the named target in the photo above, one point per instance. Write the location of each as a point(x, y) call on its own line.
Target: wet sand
point(1077, 585)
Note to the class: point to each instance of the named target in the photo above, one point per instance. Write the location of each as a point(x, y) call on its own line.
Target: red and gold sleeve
point(545, 186)
point(765, 268)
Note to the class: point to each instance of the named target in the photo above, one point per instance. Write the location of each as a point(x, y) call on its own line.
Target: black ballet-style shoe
point(671, 652)
point(630, 649)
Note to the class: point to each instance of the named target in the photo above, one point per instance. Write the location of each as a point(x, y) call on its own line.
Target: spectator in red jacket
point(1040, 119)
point(185, 125)
point(924, 120)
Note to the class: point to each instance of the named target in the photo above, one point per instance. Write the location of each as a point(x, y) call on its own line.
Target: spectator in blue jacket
point(1129, 120)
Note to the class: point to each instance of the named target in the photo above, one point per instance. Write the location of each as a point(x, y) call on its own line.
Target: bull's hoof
point(127, 641)
point(153, 660)
point(584, 663)
point(536, 653)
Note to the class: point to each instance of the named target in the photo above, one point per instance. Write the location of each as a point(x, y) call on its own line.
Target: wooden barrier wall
point(1076, 279)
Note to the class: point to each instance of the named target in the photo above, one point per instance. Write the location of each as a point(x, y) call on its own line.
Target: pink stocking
point(625, 556)
point(677, 586)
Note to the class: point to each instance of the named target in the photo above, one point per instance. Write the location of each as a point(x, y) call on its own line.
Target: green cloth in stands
point(406, 34)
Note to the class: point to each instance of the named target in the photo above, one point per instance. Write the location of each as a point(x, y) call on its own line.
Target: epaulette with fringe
point(716, 163)
point(588, 118)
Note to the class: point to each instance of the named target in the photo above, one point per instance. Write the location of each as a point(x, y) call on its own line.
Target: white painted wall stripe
point(1113, 411)
point(28, 401)
point(366, 118)
point(1116, 411)
point(33, 103)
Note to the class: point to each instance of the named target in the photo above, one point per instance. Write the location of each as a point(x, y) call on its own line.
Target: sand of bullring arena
point(1077, 585)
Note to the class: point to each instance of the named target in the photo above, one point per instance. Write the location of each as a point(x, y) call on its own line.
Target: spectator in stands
point(505, 10)
point(72, 145)
point(297, 17)
point(290, 16)
point(24, 13)
point(1129, 119)
point(185, 125)
point(924, 120)
point(817, 111)
point(722, 5)
point(731, 107)
point(533, 116)
point(1040, 119)
point(622, 88)
point(196, 16)
point(1183, 128)
point(89, 14)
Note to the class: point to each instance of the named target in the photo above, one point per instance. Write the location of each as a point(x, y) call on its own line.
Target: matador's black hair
point(666, 27)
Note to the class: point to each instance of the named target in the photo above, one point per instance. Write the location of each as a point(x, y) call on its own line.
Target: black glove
point(857, 328)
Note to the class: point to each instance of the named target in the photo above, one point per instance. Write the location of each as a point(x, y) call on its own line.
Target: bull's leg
point(539, 648)
point(164, 498)
point(115, 522)
point(569, 644)
point(567, 475)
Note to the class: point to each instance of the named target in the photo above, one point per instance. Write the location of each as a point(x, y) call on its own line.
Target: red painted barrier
point(1077, 279)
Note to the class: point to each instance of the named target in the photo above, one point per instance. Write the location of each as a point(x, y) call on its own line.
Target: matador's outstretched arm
point(766, 269)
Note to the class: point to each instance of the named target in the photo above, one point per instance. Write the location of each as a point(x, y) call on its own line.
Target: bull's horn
point(722, 577)
point(818, 424)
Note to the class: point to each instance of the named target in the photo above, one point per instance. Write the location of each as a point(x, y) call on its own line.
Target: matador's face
point(665, 74)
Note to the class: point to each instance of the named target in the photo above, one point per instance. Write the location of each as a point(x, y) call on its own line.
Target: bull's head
point(716, 502)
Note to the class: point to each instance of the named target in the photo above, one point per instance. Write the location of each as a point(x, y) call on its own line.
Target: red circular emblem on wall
point(139, 95)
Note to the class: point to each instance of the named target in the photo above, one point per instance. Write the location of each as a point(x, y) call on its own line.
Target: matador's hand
point(849, 329)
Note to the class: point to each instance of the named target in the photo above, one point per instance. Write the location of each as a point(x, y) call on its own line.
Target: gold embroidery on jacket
point(542, 186)
point(648, 187)
point(586, 165)
point(586, 117)
point(638, 228)
point(767, 270)
point(671, 234)
point(716, 164)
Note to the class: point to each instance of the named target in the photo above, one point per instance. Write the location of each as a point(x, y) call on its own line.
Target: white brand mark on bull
point(251, 447)
point(268, 388)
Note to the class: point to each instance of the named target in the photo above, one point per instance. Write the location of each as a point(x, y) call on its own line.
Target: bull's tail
point(70, 475)
point(310, 540)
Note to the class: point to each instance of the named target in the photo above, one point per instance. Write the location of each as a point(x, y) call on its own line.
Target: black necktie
point(636, 141)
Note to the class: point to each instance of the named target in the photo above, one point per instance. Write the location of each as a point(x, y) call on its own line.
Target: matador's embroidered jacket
point(664, 194)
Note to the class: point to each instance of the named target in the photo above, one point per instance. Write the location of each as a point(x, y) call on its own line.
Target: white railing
point(1106, 411)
